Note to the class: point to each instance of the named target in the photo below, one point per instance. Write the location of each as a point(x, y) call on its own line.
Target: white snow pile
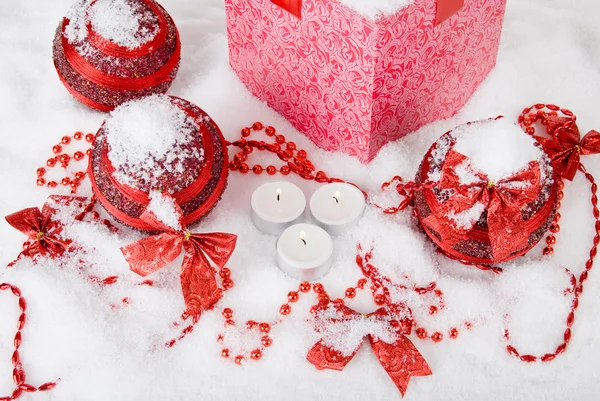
point(376, 8)
point(163, 208)
point(346, 333)
point(145, 139)
point(127, 23)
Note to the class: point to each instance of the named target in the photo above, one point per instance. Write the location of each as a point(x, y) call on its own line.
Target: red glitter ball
point(476, 248)
point(212, 171)
point(103, 75)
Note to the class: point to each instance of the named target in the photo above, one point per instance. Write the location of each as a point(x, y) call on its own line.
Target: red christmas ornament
point(198, 281)
point(401, 360)
point(103, 64)
point(194, 172)
point(512, 214)
point(42, 230)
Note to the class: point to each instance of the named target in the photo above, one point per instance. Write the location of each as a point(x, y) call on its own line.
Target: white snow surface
point(100, 348)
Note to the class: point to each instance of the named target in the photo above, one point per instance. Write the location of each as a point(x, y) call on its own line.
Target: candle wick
point(303, 240)
point(336, 200)
point(337, 195)
point(278, 194)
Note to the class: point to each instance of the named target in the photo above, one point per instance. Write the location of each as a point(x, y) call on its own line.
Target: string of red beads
point(527, 119)
point(578, 286)
point(264, 328)
point(63, 159)
point(19, 375)
point(296, 160)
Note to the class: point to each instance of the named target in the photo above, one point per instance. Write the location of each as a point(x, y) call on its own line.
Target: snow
point(101, 348)
point(164, 209)
point(375, 8)
point(124, 22)
point(348, 332)
point(145, 140)
point(498, 148)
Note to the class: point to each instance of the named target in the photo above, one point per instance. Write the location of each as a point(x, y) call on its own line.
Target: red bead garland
point(296, 160)
point(19, 375)
point(63, 159)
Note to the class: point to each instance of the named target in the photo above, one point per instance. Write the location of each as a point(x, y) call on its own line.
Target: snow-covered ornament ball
point(158, 145)
point(108, 52)
point(492, 192)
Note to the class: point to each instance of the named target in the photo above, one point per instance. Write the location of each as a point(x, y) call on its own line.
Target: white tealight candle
point(304, 252)
point(337, 207)
point(276, 206)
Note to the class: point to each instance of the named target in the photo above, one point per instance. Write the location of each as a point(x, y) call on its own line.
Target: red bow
point(198, 282)
point(503, 201)
point(444, 10)
point(401, 360)
point(566, 145)
point(42, 231)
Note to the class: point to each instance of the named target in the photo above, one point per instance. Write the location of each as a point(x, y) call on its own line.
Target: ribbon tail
point(401, 360)
point(198, 281)
point(152, 253)
point(324, 357)
point(506, 229)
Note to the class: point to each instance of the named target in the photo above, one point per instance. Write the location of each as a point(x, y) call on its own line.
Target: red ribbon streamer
point(198, 282)
point(502, 200)
point(444, 9)
point(401, 360)
point(42, 230)
point(566, 146)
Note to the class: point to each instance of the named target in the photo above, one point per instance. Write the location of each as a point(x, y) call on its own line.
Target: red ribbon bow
point(401, 360)
point(444, 10)
point(566, 145)
point(503, 201)
point(42, 230)
point(198, 282)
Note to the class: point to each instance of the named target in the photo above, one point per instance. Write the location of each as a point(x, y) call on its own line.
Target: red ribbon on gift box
point(445, 8)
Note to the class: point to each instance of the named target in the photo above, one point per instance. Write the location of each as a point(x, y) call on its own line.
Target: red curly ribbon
point(566, 146)
point(198, 282)
point(444, 9)
point(503, 201)
point(401, 360)
point(42, 230)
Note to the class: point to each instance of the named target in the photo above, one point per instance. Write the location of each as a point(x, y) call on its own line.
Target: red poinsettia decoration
point(566, 146)
point(198, 281)
point(42, 229)
point(400, 359)
point(503, 201)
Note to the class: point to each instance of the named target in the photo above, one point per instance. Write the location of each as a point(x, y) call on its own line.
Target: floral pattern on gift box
point(353, 84)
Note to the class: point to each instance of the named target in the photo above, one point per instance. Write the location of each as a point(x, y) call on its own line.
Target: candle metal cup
point(304, 252)
point(337, 207)
point(276, 206)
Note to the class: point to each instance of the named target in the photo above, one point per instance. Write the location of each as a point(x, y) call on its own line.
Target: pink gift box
point(351, 82)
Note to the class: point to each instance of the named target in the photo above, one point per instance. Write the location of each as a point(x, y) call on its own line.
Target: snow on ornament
point(158, 144)
point(107, 52)
point(489, 193)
